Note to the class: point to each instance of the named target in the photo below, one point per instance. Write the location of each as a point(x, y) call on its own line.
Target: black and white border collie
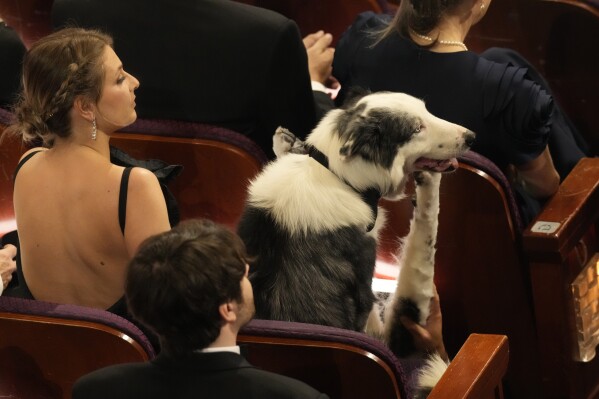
point(311, 221)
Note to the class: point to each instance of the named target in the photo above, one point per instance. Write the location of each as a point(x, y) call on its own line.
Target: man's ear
point(85, 108)
point(228, 311)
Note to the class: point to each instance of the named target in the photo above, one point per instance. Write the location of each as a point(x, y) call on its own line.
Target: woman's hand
point(429, 338)
point(7, 264)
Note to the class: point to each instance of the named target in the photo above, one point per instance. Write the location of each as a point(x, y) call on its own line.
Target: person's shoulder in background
point(13, 51)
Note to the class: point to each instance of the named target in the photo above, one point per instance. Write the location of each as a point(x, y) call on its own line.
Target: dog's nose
point(469, 137)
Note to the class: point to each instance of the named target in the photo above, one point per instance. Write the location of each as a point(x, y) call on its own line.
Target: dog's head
point(377, 139)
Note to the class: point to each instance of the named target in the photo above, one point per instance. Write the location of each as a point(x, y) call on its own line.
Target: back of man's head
point(178, 279)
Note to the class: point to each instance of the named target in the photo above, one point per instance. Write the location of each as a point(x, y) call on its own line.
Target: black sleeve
point(288, 100)
point(324, 103)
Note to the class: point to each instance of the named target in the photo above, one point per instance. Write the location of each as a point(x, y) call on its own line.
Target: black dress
point(514, 116)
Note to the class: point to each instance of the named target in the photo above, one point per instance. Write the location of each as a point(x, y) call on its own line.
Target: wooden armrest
point(575, 207)
point(477, 369)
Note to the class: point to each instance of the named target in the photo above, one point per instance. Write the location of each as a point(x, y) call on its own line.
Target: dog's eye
point(418, 128)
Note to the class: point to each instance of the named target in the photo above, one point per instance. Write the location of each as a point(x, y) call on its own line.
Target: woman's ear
point(84, 108)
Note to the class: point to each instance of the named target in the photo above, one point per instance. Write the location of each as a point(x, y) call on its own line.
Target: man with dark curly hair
point(189, 285)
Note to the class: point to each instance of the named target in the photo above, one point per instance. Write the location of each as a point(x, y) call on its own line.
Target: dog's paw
point(427, 191)
point(285, 142)
point(423, 179)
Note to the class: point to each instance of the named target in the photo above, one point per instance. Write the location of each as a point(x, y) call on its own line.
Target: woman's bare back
point(66, 204)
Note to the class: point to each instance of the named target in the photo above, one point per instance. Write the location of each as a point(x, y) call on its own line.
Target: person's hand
point(428, 338)
point(320, 57)
point(7, 264)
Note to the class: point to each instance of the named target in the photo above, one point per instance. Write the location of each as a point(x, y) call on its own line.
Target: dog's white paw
point(427, 190)
point(285, 142)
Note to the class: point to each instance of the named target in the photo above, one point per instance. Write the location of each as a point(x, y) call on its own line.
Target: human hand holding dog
point(429, 338)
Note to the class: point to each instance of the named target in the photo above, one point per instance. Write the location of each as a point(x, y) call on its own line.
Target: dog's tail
point(428, 376)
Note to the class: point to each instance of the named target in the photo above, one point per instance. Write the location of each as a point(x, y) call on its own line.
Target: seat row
point(45, 348)
point(494, 275)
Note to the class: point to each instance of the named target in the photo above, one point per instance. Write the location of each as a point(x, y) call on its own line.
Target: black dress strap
point(22, 162)
point(123, 198)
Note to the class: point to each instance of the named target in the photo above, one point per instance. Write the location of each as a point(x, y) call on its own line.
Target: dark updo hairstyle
point(419, 16)
point(57, 69)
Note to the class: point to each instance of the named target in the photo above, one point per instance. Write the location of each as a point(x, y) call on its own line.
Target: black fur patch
point(401, 341)
point(311, 278)
point(377, 136)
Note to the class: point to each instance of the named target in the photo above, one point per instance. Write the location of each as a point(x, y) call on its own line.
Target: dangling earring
point(94, 129)
point(482, 7)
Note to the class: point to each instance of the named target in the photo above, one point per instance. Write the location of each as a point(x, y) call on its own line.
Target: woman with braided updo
point(496, 94)
point(80, 218)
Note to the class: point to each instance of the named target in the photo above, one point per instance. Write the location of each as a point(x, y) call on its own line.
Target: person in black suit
point(12, 51)
point(189, 285)
point(213, 61)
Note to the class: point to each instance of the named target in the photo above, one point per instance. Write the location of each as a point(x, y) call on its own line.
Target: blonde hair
point(57, 69)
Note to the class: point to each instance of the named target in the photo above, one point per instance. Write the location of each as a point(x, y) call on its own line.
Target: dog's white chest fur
point(294, 183)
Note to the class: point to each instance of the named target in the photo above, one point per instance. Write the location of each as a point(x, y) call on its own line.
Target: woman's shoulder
point(140, 180)
point(503, 76)
point(504, 85)
point(517, 105)
point(29, 153)
point(359, 38)
point(370, 20)
point(365, 26)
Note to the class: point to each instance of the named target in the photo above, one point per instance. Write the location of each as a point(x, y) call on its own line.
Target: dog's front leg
point(417, 260)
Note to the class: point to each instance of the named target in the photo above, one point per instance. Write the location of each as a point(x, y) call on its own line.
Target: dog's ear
point(363, 141)
point(377, 136)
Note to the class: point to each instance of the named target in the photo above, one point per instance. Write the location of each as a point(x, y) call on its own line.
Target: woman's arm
point(538, 177)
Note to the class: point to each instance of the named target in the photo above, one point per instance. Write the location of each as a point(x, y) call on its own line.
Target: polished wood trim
point(477, 370)
point(77, 324)
point(43, 356)
point(577, 3)
point(574, 207)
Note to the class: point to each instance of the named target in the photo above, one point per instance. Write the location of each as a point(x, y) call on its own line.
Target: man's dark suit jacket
point(212, 61)
point(203, 375)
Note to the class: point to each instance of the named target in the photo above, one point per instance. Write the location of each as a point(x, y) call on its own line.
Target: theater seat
point(217, 164)
point(46, 347)
point(496, 276)
point(348, 364)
